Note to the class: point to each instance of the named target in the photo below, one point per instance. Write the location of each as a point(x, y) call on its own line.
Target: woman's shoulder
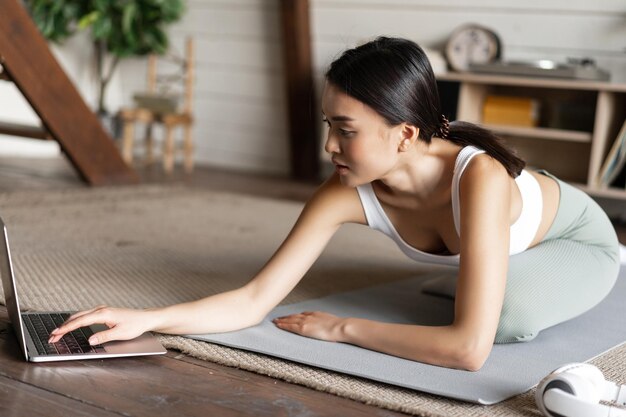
point(483, 175)
point(482, 164)
point(338, 201)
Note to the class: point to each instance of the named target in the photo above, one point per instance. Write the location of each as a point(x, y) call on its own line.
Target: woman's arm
point(332, 205)
point(467, 342)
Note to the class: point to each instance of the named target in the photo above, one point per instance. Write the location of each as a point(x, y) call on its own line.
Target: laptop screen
point(8, 285)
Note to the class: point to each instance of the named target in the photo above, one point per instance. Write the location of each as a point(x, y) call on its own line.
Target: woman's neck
point(424, 173)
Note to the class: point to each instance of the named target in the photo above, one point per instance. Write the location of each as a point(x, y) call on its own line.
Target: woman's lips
point(340, 168)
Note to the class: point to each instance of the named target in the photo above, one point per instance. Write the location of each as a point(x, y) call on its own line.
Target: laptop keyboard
point(40, 325)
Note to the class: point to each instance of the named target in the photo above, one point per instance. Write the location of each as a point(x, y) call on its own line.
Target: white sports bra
point(522, 231)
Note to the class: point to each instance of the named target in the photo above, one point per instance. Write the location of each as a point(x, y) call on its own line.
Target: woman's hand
point(123, 324)
point(314, 324)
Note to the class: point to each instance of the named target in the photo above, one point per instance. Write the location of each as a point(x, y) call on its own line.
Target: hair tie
point(444, 127)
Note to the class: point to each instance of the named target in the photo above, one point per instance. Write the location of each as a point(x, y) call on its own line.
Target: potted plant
point(119, 29)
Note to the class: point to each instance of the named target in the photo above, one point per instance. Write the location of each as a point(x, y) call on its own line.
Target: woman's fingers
point(315, 324)
point(291, 322)
point(288, 319)
point(293, 317)
point(123, 324)
point(96, 316)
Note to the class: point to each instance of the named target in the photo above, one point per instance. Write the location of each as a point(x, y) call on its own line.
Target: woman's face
point(363, 147)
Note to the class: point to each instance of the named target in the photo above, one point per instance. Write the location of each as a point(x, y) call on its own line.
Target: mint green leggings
point(569, 272)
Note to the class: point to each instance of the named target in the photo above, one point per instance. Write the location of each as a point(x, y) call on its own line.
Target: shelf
point(556, 83)
point(541, 133)
point(576, 155)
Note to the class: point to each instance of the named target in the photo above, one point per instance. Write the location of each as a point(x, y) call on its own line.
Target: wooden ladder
point(28, 62)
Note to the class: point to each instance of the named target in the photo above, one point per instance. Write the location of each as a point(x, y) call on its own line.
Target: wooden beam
point(27, 131)
point(27, 59)
point(303, 112)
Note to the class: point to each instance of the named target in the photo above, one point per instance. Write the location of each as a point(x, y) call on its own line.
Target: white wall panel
point(257, 117)
point(234, 21)
point(239, 148)
point(258, 85)
point(591, 32)
point(551, 29)
point(601, 6)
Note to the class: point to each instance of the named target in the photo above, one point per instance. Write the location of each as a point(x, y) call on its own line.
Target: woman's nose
point(331, 145)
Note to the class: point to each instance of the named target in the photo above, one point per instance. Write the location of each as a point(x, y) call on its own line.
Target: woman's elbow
point(473, 363)
point(472, 356)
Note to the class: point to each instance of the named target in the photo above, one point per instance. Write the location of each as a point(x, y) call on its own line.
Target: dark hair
point(393, 76)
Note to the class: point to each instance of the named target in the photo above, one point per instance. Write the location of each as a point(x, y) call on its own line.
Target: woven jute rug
point(151, 246)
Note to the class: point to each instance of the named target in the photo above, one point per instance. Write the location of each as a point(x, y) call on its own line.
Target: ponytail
point(464, 134)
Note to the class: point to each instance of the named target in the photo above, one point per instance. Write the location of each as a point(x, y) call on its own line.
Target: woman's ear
point(408, 137)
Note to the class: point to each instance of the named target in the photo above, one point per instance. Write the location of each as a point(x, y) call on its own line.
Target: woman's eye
point(342, 132)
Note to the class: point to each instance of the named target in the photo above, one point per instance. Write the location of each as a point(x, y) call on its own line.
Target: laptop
point(33, 328)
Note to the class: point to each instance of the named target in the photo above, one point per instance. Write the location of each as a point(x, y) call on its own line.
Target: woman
point(532, 251)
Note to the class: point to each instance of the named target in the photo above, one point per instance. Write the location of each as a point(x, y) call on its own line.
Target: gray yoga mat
point(511, 369)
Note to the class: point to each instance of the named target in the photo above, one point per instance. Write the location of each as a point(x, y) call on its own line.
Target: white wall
point(240, 96)
point(534, 29)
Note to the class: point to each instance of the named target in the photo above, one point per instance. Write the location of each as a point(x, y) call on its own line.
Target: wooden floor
point(170, 385)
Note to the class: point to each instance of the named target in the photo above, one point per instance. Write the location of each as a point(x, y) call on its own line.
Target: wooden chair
point(169, 120)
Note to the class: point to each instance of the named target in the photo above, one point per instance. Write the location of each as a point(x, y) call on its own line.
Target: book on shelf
point(512, 111)
point(615, 160)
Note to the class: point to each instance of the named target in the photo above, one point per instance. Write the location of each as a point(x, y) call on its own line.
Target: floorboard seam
point(62, 395)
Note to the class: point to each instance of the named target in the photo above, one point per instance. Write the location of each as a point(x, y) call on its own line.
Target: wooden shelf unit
point(578, 122)
point(541, 133)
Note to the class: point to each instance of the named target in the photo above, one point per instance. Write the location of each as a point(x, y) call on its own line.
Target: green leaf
point(101, 5)
point(57, 7)
point(48, 28)
point(88, 19)
point(102, 27)
point(129, 13)
point(71, 12)
point(127, 27)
